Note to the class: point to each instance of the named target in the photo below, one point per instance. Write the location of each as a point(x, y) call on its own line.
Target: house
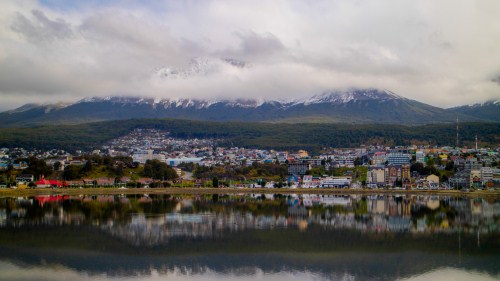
point(433, 180)
point(145, 181)
point(105, 182)
point(75, 183)
point(26, 178)
point(43, 182)
point(88, 182)
point(293, 179)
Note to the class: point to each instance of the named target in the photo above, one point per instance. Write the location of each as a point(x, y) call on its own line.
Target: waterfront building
point(375, 176)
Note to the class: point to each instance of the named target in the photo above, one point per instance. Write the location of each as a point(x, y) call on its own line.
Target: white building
point(336, 182)
point(143, 156)
point(486, 174)
point(376, 175)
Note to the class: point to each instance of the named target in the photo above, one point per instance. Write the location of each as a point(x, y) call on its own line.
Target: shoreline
point(191, 190)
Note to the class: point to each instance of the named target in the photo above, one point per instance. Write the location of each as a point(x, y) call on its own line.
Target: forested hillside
point(263, 135)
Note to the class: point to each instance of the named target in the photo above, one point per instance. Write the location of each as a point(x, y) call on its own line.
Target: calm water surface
point(249, 237)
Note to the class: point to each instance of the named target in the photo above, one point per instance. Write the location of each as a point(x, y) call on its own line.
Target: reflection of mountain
point(328, 254)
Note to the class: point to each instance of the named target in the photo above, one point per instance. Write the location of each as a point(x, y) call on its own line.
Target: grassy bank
point(192, 190)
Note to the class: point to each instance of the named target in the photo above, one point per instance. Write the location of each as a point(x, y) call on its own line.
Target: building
point(392, 174)
point(475, 178)
point(282, 156)
point(298, 168)
point(25, 178)
point(495, 175)
point(379, 158)
point(405, 172)
point(420, 156)
point(303, 153)
point(336, 182)
point(461, 179)
point(143, 156)
point(398, 158)
point(344, 161)
point(176, 161)
point(178, 171)
point(433, 180)
point(375, 176)
point(486, 175)
point(472, 164)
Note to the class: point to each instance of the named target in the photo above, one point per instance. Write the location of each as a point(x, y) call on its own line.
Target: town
point(150, 158)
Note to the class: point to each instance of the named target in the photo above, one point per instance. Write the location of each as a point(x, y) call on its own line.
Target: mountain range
point(351, 106)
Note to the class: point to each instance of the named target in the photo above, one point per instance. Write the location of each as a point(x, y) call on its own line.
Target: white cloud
point(443, 53)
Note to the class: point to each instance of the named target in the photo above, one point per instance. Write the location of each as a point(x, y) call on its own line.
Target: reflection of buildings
point(149, 231)
point(374, 213)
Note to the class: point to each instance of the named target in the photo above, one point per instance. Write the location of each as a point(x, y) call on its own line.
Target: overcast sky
point(445, 53)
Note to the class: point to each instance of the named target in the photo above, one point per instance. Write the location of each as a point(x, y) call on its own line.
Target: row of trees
point(256, 170)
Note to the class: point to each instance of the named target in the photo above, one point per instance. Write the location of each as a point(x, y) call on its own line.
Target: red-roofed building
point(49, 183)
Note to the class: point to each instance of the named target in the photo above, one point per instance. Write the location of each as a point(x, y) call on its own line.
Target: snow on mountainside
point(489, 110)
point(331, 97)
point(352, 106)
point(341, 97)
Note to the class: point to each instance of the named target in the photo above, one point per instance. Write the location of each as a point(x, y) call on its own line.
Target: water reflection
point(267, 237)
point(160, 218)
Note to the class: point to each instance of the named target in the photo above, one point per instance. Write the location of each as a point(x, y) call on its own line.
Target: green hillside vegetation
point(258, 135)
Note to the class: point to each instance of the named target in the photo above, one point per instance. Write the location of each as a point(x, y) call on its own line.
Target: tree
point(417, 167)
point(358, 161)
point(72, 172)
point(57, 166)
point(88, 166)
point(159, 170)
point(215, 182)
point(38, 168)
point(450, 166)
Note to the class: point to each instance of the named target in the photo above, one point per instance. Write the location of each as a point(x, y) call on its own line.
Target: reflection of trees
point(420, 214)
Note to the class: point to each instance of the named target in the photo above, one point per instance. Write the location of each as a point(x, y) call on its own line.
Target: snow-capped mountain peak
point(353, 95)
point(354, 105)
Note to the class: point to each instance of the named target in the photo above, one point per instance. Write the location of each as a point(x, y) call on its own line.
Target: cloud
point(41, 28)
point(442, 53)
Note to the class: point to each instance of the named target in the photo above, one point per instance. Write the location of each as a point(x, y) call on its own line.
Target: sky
point(444, 53)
